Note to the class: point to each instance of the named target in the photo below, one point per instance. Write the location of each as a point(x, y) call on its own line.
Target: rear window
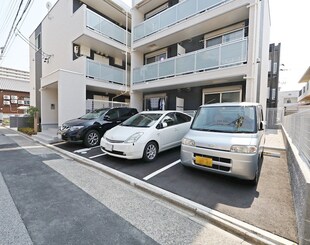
point(144, 120)
point(226, 119)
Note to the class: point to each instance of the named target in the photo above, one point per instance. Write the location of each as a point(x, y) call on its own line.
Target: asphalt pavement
point(60, 198)
point(50, 198)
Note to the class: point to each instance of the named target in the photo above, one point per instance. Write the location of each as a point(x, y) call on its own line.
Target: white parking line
point(60, 143)
point(98, 155)
point(161, 170)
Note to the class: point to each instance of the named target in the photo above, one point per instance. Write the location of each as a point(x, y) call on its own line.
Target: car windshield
point(144, 120)
point(227, 119)
point(94, 114)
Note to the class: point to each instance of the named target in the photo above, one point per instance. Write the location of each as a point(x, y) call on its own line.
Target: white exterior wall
point(47, 112)
point(71, 96)
point(59, 29)
point(32, 72)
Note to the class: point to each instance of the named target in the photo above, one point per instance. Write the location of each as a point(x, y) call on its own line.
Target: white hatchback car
point(146, 134)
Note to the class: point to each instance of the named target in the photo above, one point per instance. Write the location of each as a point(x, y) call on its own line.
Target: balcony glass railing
point(172, 15)
point(230, 54)
point(104, 72)
point(107, 28)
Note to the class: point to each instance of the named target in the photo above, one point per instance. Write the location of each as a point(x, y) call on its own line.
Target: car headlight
point(189, 142)
point(249, 149)
point(73, 128)
point(133, 138)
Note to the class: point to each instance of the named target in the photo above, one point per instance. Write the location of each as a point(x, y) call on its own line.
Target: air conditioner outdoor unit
point(14, 101)
point(21, 102)
point(6, 97)
point(14, 97)
point(6, 102)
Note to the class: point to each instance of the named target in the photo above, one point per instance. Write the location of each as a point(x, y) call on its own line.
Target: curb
point(243, 230)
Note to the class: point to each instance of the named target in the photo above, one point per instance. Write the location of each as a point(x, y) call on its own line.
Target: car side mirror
point(107, 118)
point(164, 124)
point(262, 125)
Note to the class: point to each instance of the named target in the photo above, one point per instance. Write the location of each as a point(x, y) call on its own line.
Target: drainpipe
point(126, 60)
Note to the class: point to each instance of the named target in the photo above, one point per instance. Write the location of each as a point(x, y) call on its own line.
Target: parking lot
point(268, 205)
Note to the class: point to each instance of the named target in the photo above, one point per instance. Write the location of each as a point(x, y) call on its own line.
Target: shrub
point(28, 131)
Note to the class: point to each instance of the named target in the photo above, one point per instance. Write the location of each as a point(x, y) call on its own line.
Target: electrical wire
point(11, 7)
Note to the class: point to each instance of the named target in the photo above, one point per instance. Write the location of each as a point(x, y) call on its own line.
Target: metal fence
point(98, 104)
point(297, 127)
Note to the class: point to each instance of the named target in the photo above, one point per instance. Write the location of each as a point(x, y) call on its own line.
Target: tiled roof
point(14, 85)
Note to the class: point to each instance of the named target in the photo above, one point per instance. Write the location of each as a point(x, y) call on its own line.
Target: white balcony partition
point(230, 54)
point(106, 28)
point(173, 15)
point(104, 72)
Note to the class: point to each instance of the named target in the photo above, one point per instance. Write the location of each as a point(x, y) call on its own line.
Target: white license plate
point(109, 147)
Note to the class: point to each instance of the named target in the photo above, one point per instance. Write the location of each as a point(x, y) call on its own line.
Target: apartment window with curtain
point(156, 56)
point(225, 38)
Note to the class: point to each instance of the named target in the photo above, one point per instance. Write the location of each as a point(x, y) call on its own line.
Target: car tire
point(92, 138)
point(150, 151)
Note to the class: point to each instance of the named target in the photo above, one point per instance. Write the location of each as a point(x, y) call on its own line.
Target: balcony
point(106, 28)
point(304, 95)
point(231, 54)
point(105, 73)
point(173, 15)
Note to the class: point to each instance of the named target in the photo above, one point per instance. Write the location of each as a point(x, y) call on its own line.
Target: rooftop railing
point(173, 15)
point(230, 54)
point(106, 28)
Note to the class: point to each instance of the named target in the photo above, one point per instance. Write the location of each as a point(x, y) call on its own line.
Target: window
point(156, 56)
point(38, 41)
point(221, 97)
point(225, 38)
point(155, 102)
point(182, 118)
point(156, 11)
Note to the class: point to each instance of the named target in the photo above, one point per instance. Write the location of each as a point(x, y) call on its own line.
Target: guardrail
point(229, 54)
point(170, 16)
point(106, 28)
point(297, 127)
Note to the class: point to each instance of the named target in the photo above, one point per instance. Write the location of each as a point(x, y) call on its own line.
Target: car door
point(167, 133)
point(111, 119)
point(182, 125)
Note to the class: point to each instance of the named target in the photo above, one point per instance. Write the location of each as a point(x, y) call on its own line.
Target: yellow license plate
point(205, 161)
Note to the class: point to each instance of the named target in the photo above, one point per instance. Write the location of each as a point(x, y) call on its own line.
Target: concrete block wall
point(300, 181)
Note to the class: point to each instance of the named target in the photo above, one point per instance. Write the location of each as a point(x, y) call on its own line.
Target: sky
point(289, 26)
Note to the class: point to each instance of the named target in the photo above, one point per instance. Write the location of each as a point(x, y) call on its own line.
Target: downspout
point(126, 60)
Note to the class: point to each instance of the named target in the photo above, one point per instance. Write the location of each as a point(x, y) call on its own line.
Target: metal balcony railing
point(104, 72)
point(229, 54)
point(106, 28)
point(173, 15)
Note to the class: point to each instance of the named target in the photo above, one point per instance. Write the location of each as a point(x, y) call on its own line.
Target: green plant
point(28, 131)
point(32, 110)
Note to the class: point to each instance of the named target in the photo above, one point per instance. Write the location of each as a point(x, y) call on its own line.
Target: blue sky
point(289, 25)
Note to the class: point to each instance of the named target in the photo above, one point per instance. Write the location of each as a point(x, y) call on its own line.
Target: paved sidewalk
point(274, 140)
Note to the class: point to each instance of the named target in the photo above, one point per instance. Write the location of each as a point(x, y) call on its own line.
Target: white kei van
point(226, 138)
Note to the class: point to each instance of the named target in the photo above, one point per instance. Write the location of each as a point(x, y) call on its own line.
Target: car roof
point(232, 104)
point(160, 111)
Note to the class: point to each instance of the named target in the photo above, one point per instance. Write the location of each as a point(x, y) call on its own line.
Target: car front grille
point(114, 141)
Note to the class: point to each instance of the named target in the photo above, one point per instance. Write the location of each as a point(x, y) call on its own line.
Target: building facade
point(163, 54)
point(81, 52)
point(192, 52)
point(304, 93)
point(14, 92)
point(273, 75)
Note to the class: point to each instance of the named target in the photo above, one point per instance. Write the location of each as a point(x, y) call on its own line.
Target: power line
point(11, 30)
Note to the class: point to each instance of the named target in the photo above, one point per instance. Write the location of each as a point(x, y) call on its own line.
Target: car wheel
point(150, 151)
point(92, 138)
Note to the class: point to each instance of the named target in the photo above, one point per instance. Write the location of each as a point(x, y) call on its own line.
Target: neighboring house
point(288, 102)
point(81, 52)
point(273, 75)
point(181, 54)
point(192, 52)
point(14, 92)
point(304, 93)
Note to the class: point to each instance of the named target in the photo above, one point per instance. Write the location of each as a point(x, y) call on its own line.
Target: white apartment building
point(82, 51)
point(174, 54)
point(192, 52)
point(304, 94)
